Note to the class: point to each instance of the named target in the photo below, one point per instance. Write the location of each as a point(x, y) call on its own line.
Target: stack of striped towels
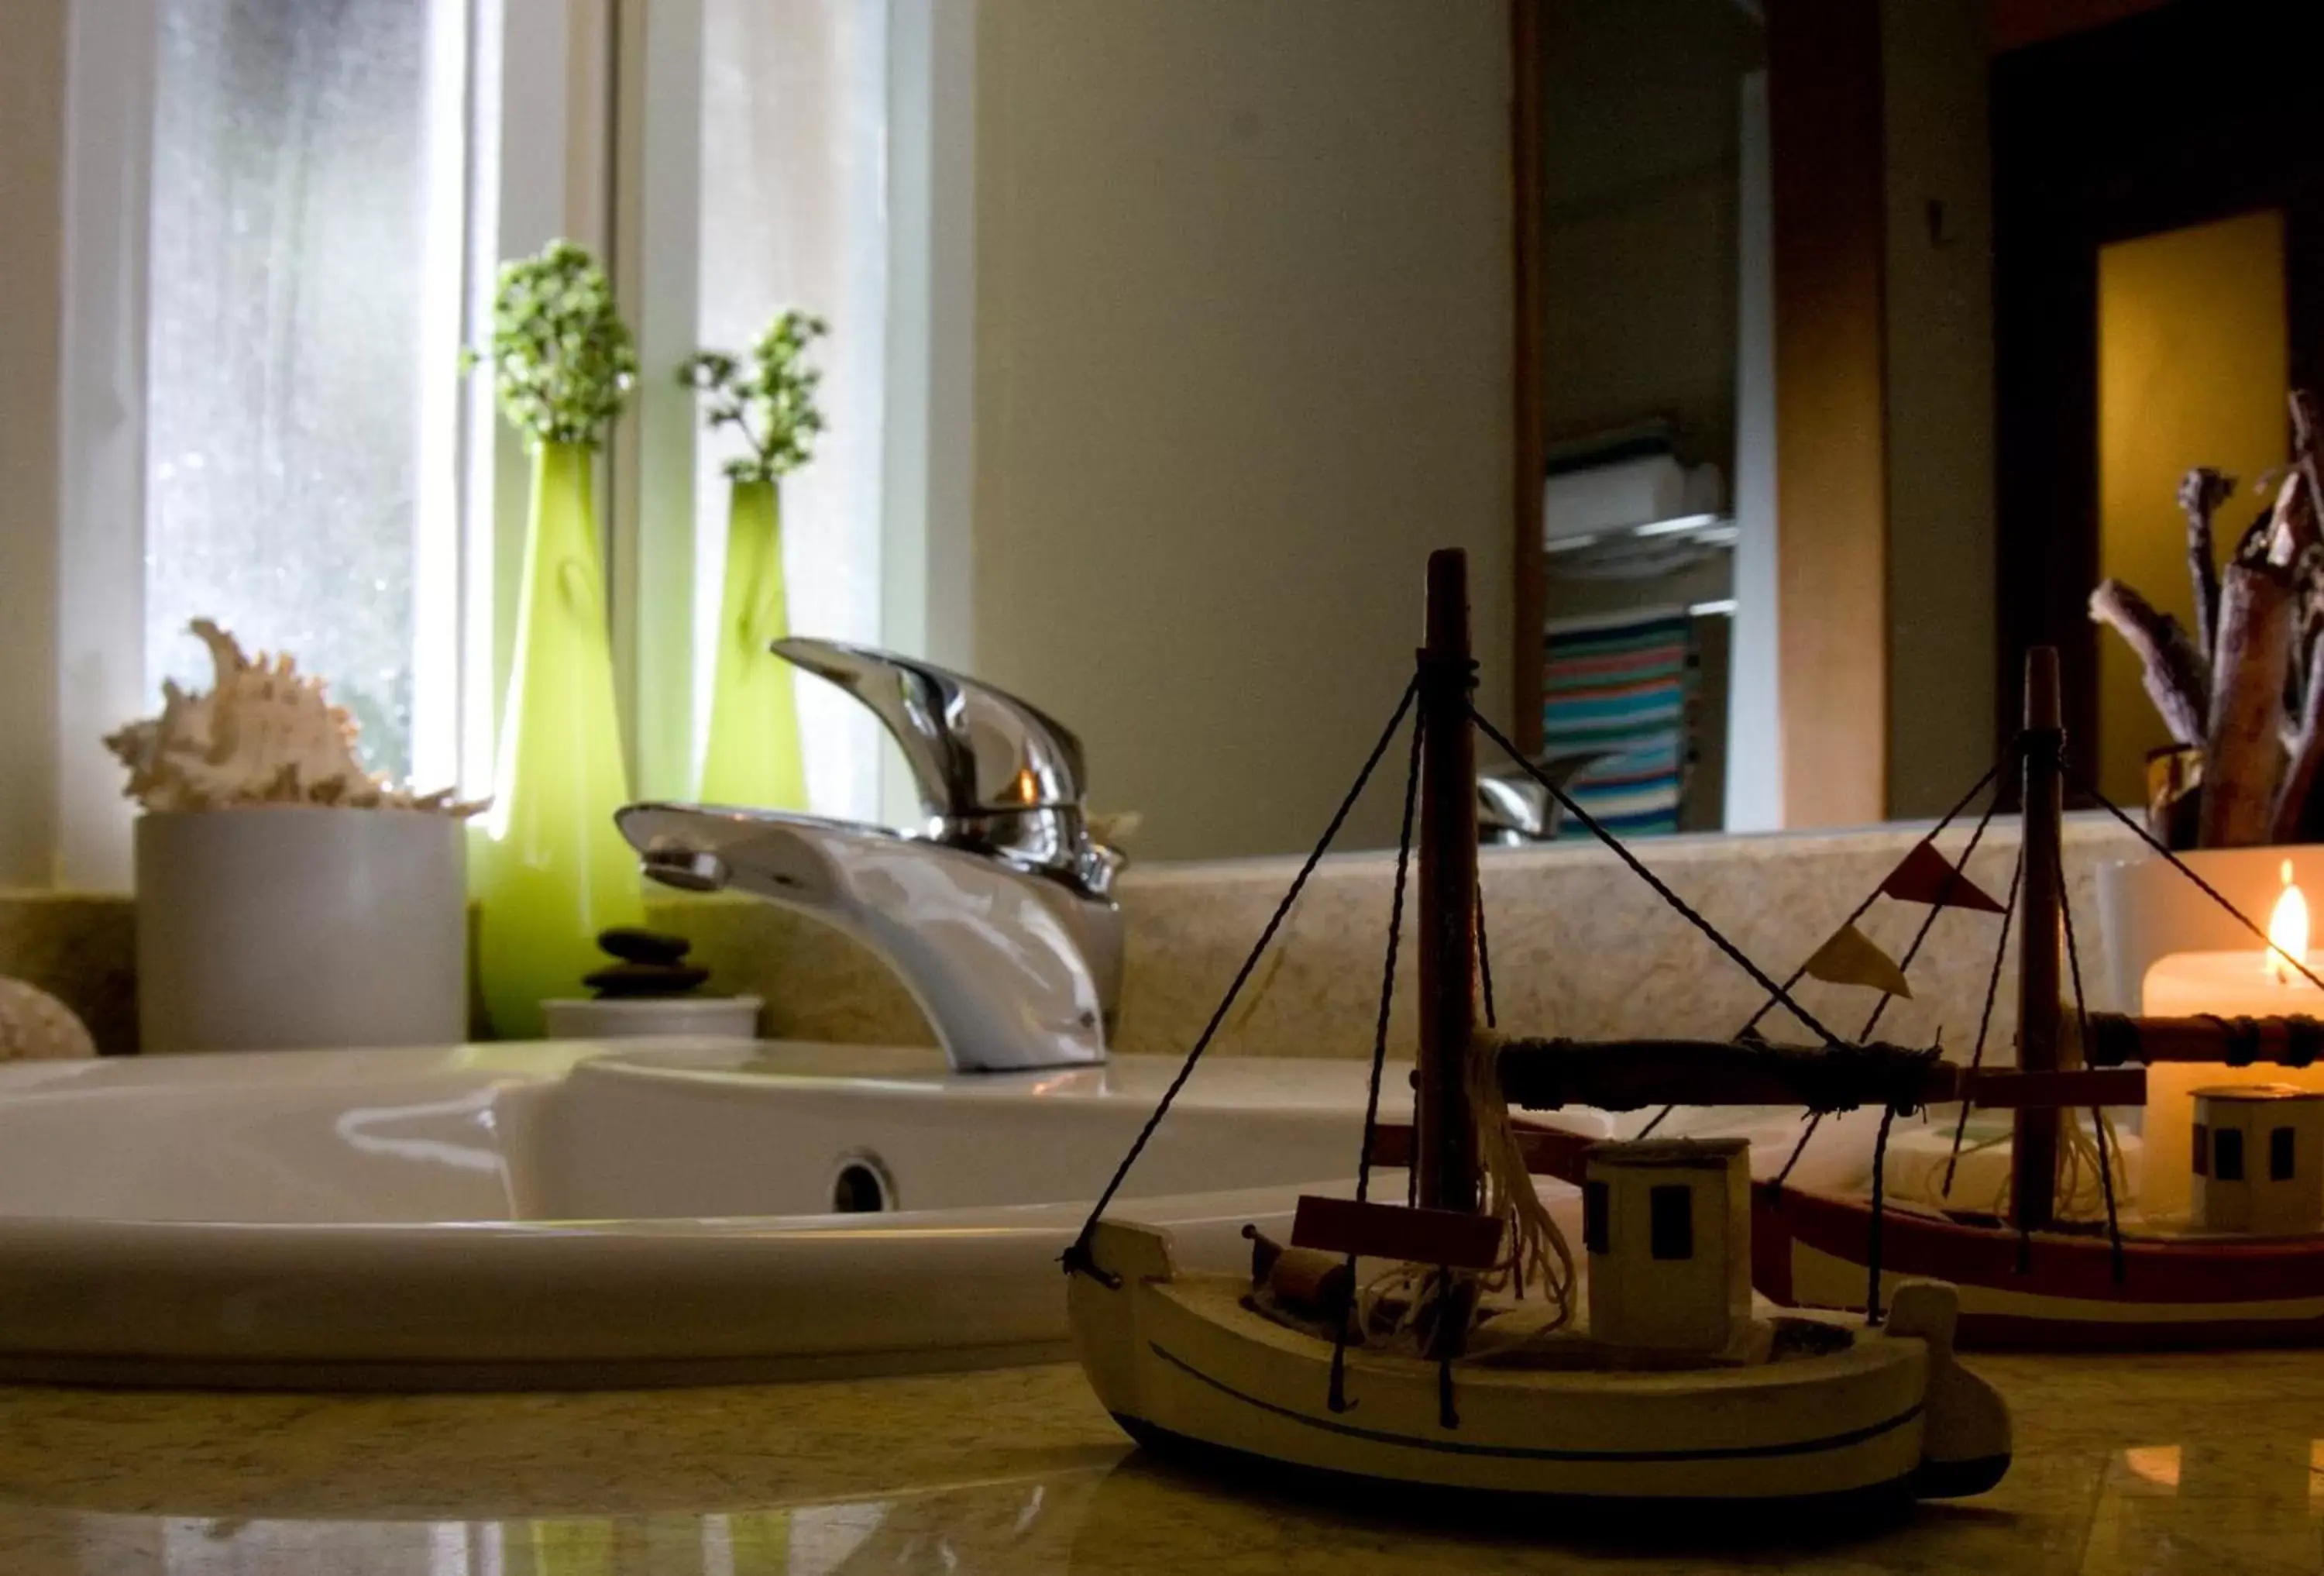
point(1623, 682)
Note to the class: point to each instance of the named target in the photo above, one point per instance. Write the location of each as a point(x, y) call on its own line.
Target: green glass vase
point(552, 871)
point(752, 755)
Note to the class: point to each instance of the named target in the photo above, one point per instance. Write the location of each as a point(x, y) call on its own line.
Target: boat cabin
point(2259, 1159)
point(1667, 1226)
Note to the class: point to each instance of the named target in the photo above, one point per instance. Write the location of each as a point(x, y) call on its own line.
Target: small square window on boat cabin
point(2228, 1154)
point(2279, 1154)
point(1671, 1214)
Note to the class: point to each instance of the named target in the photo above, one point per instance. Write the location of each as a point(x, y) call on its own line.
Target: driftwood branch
point(2200, 493)
point(2307, 432)
point(2177, 678)
point(2306, 751)
point(2244, 695)
point(2250, 548)
point(2244, 752)
point(2291, 523)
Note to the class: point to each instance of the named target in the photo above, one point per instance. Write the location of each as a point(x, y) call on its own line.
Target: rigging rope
point(1076, 1256)
point(1928, 923)
point(2082, 1027)
point(1873, 897)
point(1856, 914)
point(1662, 889)
point(2184, 868)
point(1337, 1398)
point(1879, 1215)
point(1985, 1018)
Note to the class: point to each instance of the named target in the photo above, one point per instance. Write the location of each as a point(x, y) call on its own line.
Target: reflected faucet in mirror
point(998, 914)
point(1512, 809)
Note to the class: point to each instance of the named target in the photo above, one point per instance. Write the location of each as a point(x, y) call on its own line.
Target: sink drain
point(861, 1186)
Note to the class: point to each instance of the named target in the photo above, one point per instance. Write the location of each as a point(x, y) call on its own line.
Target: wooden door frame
point(1528, 572)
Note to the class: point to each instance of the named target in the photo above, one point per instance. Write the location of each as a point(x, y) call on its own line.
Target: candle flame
point(2287, 932)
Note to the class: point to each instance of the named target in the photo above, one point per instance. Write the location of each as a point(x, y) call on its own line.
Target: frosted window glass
point(793, 214)
point(288, 353)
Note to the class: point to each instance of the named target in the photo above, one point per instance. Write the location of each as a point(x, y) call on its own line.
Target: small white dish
point(629, 1017)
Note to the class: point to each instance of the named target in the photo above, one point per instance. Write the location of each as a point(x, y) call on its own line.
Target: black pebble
point(634, 945)
point(645, 979)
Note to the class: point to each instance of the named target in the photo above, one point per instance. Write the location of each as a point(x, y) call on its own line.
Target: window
point(2279, 1154)
point(282, 219)
point(793, 209)
point(2228, 1154)
point(1594, 1211)
point(302, 320)
point(1672, 1230)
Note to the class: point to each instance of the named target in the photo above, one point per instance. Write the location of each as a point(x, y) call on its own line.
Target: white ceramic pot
point(283, 926)
point(725, 1018)
point(2147, 910)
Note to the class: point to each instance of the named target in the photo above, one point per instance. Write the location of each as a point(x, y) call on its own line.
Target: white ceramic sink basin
point(587, 1214)
point(577, 1213)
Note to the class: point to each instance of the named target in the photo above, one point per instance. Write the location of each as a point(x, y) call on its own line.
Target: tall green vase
point(753, 757)
point(552, 871)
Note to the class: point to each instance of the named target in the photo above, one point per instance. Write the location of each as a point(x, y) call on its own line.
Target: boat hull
point(1177, 1358)
point(2050, 1291)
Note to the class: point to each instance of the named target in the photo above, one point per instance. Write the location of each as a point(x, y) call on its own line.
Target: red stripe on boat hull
point(2170, 1276)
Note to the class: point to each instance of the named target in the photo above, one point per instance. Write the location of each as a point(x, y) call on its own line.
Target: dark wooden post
point(2033, 1194)
point(1448, 891)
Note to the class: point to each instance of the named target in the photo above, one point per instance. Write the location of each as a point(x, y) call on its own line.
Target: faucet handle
point(973, 750)
point(996, 774)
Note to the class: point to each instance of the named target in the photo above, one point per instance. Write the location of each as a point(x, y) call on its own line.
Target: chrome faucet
point(1513, 810)
point(998, 914)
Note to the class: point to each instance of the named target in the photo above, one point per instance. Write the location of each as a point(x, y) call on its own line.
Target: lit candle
point(2254, 983)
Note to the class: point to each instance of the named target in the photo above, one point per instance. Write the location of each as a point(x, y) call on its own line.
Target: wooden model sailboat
point(2246, 1267)
point(1396, 1343)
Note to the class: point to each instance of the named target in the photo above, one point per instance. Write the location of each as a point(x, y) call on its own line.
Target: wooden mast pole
point(2033, 1183)
point(1447, 937)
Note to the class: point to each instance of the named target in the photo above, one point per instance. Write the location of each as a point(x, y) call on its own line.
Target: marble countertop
point(2154, 1464)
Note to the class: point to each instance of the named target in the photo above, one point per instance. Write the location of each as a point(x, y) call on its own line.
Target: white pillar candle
point(2223, 984)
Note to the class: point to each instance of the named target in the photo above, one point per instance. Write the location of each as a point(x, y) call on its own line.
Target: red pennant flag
point(1926, 876)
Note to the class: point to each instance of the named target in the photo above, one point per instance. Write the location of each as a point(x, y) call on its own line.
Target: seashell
point(35, 1026)
point(263, 734)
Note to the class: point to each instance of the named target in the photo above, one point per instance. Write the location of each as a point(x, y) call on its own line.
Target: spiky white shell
point(263, 734)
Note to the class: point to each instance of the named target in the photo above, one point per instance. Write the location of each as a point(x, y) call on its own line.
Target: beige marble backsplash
point(1578, 945)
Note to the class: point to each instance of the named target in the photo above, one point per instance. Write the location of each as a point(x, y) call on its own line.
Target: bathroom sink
point(561, 1214)
point(594, 1213)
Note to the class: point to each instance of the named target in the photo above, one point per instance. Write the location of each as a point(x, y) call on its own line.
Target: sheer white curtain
point(300, 345)
point(794, 213)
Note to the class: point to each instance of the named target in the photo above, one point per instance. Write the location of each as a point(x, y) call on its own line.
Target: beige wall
point(32, 159)
point(1942, 635)
point(1242, 357)
point(1641, 123)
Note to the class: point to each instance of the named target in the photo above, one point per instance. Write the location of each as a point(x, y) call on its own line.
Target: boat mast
point(2032, 1190)
point(1446, 1135)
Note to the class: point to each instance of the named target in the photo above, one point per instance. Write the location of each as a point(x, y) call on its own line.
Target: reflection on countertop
point(2151, 1464)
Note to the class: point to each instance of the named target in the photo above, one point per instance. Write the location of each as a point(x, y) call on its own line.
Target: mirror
point(1762, 353)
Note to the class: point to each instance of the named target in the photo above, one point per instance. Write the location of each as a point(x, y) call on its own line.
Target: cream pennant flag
point(1851, 958)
